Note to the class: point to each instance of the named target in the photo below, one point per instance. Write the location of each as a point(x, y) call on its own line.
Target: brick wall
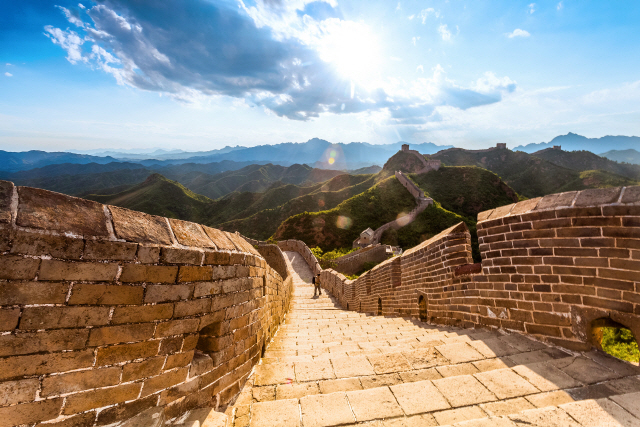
point(354, 262)
point(550, 267)
point(106, 312)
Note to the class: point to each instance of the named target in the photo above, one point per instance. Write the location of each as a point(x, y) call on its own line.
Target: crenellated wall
point(106, 312)
point(354, 262)
point(555, 267)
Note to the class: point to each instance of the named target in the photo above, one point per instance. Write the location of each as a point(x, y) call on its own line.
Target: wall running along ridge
point(354, 262)
point(107, 312)
point(552, 267)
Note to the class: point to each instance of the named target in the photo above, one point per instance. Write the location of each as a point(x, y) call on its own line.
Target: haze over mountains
point(574, 142)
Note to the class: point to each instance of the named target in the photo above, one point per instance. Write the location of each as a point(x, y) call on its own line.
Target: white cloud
point(75, 20)
point(424, 14)
point(8, 74)
point(410, 17)
point(532, 7)
point(420, 68)
point(81, 6)
point(9, 64)
point(444, 32)
point(414, 40)
point(69, 41)
point(398, 7)
point(560, 6)
point(518, 33)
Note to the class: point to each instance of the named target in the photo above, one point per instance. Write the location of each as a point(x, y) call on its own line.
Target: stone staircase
point(331, 367)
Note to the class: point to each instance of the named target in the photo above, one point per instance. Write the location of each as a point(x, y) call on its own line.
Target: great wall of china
point(109, 314)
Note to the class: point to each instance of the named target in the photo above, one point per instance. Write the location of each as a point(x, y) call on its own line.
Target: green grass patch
point(621, 343)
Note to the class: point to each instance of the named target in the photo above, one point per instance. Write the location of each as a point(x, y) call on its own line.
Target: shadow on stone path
point(327, 367)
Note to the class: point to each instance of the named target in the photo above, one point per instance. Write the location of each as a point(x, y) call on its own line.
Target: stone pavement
point(331, 367)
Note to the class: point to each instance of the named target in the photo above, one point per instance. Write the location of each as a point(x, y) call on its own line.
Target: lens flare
point(344, 222)
point(333, 153)
point(331, 160)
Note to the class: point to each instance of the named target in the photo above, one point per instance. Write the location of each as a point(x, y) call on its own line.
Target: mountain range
point(574, 142)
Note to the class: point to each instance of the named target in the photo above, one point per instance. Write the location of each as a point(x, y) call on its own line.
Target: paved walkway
point(331, 367)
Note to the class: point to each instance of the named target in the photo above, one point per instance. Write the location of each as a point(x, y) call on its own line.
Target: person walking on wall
point(316, 285)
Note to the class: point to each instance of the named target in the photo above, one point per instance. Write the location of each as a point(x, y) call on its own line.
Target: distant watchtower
point(405, 147)
point(557, 147)
point(501, 145)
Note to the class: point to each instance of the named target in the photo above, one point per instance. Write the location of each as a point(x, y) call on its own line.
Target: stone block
point(207, 288)
point(12, 392)
point(598, 196)
point(40, 364)
point(170, 345)
point(6, 193)
point(80, 381)
point(148, 254)
point(219, 238)
point(111, 251)
point(177, 327)
point(81, 420)
point(51, 211)
point(178, 360)
point(241, 244)
point(83, 293)
point(63, 317)
point(163, 293)
point(35, 244)
point(137, 273)
point(140, 227)
point(164, 381)
point(18, 268)
point(119, 334)
point(556, 200)
point(9, 318)
point(33, 293)
point(631, 195)
point(126, 352)
point(81, 271)
point(190, 234)
point(139, 413)
point(141, 314)
point(191, 308)
point(29, 413)
point(47, 341)
point(200, 364)
point(217, 258)
point(194, 273)
point(100, 398)
point(181, 256)
point(145, 369)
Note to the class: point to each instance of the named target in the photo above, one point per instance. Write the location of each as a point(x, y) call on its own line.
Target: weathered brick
point(181, 256)
point(170, 345)
point(219, 238)
point(166, 380)
point(80, 381)
point(217, 258)
point(163, 293)
point(126, 352)
point(53, 211)
point(177, 327)
point(82, 420)
point(37, 244)
point(194, 273)
point(106, 294)
point(9, 318)
point(193, 307)
point(148, 254)
point(29, 413)
point(609, 273)
point(148, 273)
point(178, 360)
point(125, 411)
point(139, 227)
point(551, 331)
point(598, 196)
point(6, 194)
point(608, 304)
point(39, 364)
point(551, 319)
point(190, 234)
point(213, 344)
point(207, 288)
point(145, 369)
point(18, 268)
point(142, 314)
point(121, 334)
point(33, 293)
point(83, 271)
point(190, 342)
point(222, 272)
point(100, 398)
point(105, 250)
point(63, 317)
point(49, 341)
point(12, 392)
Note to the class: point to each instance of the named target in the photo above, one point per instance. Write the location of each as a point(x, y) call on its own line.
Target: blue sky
point(202, 74)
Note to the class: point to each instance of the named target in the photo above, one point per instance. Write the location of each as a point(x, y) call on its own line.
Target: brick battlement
point(107, 312)
point(552, 267)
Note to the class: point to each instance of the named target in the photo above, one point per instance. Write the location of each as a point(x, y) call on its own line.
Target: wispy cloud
point(444, 32)
point(420, 68)
point(559, 6)
point(8, 74)
point(414, 40)
point(532, 8)
point(424, 14)
point(518, 33)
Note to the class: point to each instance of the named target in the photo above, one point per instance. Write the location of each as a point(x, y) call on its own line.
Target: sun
point(354, 50)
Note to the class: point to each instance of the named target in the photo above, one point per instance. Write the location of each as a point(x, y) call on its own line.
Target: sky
point(203, 74)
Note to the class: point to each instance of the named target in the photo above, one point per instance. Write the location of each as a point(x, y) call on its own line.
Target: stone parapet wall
point(552, 267)
point(354, 262)
point(106, 312)
point(300, 247)
point(409, 185)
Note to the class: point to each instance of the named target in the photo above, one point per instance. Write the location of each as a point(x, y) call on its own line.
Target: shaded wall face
point(110, 312)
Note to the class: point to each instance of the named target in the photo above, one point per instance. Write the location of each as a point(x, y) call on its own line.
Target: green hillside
point(597, 179)
point(626, 156)
point(340, 226)
point(465, 190)
point(587, 161)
